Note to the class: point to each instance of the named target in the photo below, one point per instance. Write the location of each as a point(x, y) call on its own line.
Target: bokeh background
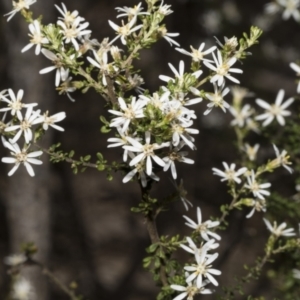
point(82, 223)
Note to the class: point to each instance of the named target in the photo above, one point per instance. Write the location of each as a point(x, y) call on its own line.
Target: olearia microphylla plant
point(154, 131)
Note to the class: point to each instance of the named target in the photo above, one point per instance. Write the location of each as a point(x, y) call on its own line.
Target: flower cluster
point(200, 273)
point(22, 125)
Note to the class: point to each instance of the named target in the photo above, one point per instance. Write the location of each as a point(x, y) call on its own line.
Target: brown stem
point(54, 279)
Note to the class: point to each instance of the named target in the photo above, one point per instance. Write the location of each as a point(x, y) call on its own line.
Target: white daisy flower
point(251, 151)
point(21, 157)
point(140, 171)
point(176, 155)
point(37, 38)
point(67, 16)
point(73, 31)
point(179, 75)
point(230, 174)
point(279, 230)
point(197, 54)
point(240, 116)
point(125, 30)
point(193, 249)
point(282, 159)
point(258, 205)
point(203, 227)
point(202, 269)
point(128, 113)
point(18, 6)
point(217, 99)
point(61, 72)
point(291, 9)
point(15, 103)
point(120, 141)
point(131, 12)
point(222, 69)
point(276, 110)
point(146, 152)
point(24, 127)
point(190, 290)
point(101, 62)
point(257, 189)
point(181, 132)
point(50, 120)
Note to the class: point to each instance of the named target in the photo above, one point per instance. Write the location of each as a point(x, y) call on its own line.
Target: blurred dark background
point(82, 223)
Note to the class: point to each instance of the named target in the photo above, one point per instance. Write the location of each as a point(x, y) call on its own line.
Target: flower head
point(61, 72)
point(276, 110)
point(197, 54)
point(230, 174)
point(279, 230)
point(18, 6)
point(257, 189)
point(222, 69)
point(128, 113)
point(37, 37)
point(124, 30)
point(146, 152)
point(217, 99)
point(202, 268)
point(282, 159)
point(15, 103)
point(21, 157)
point(203, 227)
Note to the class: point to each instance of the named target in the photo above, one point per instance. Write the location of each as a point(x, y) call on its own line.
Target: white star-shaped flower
point(15, 103)
point(279, 230)
point(131, 12)
point(203, 228)
point(202, 269)
point(37, 37)
point(257, 189)
point(197, 54)
point(251, 151)
point(61, 72)
point(21, 157)
point(230, 174)
point(50, 120)
point(276, 110)
point(240, 116)
point(125, 30)
point(73, 31)
point(128, 113)
point(18, 6)
point(179, 75)
point(190, 290)
point(291, 9)
point(176, 155)
point(217, 99)
point(25, 125)
point(146, 152)
point(222, 69)
point(283, 159)
point(139, 170)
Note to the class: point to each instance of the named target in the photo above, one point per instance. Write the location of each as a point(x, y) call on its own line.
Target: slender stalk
point(54, 279)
